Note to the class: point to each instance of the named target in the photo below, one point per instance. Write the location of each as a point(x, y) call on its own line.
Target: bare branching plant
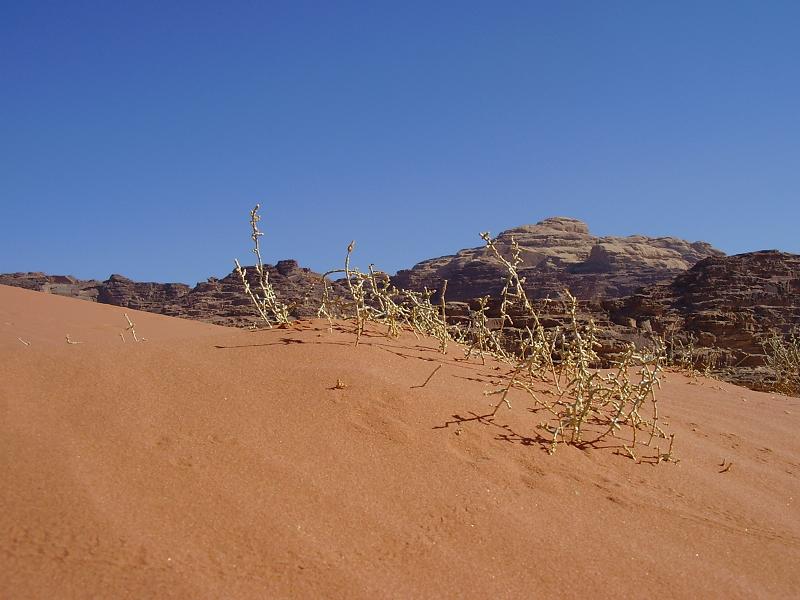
point(681, 352)
point(783, 360)
point(393, 314)
point(591, 405)
point(263, 297)
point(373, 298)
point(535, 347)
point(584, 405)
point(607, 402)
point(426, 317)
point(132, 328)
point(685, 355)
point(514, 291)
point(479, 339)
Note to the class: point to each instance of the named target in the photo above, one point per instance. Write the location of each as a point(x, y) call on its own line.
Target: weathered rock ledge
point(559, 253)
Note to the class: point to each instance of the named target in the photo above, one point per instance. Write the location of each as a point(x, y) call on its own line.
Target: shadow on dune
point(281, 342)
point(511, 436)
point(395, 349)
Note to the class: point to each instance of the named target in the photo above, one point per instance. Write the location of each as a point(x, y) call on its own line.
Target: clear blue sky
point(135, 136)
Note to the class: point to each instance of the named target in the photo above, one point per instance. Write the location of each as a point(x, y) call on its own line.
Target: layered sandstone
point(727, 305)
point(560, 253)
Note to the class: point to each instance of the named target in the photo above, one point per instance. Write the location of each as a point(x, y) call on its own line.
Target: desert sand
point(208, 462)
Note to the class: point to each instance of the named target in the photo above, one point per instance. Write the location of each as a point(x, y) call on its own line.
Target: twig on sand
point(340, 385)
point(132, 328)
point(70, 341)
point(23, 341)
point(429, 378)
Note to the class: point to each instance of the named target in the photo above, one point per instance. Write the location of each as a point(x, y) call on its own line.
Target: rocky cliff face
point(62, 285)
point(559, 253)
point(729, 305)
point(722, 310)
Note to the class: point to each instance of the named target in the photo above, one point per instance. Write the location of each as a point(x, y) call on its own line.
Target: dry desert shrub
point(478, 338)
point(684, 355)
point(588, 405)
point(373, 298)
point(681, 353)
point(264, 298)
point(783, 360)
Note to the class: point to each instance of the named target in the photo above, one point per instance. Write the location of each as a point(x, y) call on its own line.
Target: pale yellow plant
point(269, 307)
point(587, 399)
point(132, 328)
point(783, 359)
point(585, 405)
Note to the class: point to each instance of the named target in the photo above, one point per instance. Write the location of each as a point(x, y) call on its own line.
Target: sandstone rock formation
point(560, 253)
point(62, 285)
point(727, 305)
point(631, 287)
point(721, 311)
point(218, 301)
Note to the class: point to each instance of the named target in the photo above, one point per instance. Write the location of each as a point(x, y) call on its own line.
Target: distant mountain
point(559, 253)
point(630, 286)
point(218, 301)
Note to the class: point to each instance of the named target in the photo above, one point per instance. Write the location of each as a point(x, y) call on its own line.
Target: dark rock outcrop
point(219, 301)
point(148, 296)
point(62, 285)
point(724, 308)
point(728, 305)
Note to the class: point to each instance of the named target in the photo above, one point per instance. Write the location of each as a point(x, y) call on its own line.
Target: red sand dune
point(214, 463)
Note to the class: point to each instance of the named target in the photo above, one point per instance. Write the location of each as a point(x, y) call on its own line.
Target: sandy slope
point(210, 463)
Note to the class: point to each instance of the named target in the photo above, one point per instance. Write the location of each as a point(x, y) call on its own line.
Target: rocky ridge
point(559, 253)
point(689, 293)
point(218, 301)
